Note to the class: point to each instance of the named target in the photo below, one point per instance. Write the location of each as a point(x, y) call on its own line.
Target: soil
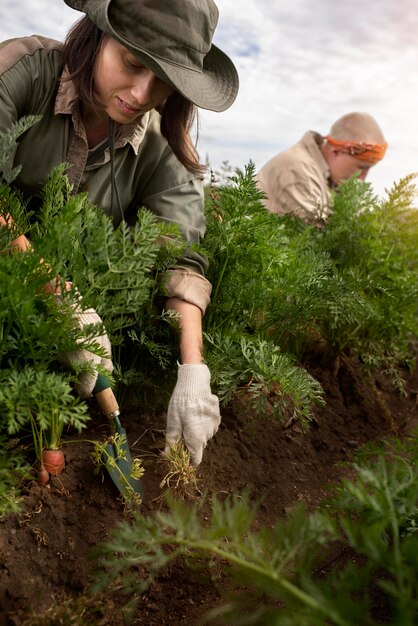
point(46, 562)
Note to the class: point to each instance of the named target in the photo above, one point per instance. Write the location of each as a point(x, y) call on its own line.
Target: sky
point(302, 64)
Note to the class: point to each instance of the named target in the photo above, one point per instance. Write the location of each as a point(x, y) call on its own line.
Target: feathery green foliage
point(261, 299)
point(42, 401)
point(115, 271)
point(279, 288)
point(350, 286)
point(8, 146)
point(13, 468)
point(374, 247)
point(369, 518)
point(270, 382)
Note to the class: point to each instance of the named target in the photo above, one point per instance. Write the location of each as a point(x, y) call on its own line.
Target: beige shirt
point(297, 181)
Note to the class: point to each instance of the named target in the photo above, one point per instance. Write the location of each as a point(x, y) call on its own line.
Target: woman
point(117, 101)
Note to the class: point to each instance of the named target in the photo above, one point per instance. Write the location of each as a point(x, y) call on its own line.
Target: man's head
point(354, 144)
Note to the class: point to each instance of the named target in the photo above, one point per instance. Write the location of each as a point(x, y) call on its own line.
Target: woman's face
point(125, 87)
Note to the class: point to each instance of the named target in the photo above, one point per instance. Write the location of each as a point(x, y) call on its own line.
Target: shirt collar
point(67, 102)
point(313, 142)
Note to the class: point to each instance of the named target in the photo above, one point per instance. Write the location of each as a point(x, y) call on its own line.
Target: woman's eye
point(135, 65)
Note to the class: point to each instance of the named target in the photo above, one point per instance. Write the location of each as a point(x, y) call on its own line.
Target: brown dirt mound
point(45, 562)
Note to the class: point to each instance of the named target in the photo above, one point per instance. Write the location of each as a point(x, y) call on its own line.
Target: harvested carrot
point(42, 476)
point(53, 461)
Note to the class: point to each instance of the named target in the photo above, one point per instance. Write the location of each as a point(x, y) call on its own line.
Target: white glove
point(87, 380)
point(193, 411)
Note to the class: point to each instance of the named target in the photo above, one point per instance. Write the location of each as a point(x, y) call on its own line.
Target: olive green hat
point(173, 38)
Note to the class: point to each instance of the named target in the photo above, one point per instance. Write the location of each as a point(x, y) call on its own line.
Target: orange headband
point(370, 152)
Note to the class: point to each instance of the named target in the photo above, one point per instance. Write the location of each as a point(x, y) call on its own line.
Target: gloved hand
point(193, 411)
point(87, 380)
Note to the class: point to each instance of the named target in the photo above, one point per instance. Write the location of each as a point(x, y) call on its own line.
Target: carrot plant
point(268, 381)
point(114, 270)
point(284, 575)
point(262, 302)
point(13, 467)
point(269, 280)
point(283, 288)
point(41, 401)
point(373, 245)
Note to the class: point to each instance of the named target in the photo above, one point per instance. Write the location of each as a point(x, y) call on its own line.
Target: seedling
point(180, 479)
point(44, 402)
point(110, 461)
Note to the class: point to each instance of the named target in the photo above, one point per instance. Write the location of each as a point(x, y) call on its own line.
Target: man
point(299, 180)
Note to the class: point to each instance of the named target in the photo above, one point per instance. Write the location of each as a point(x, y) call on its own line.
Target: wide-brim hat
point(174, 40)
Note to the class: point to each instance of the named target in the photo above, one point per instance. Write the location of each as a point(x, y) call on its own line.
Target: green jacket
point(147, 173)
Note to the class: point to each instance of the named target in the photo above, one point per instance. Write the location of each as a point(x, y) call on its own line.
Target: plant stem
point(37, 434)
point(289, 587)
point(55, 430)
point(397, 557)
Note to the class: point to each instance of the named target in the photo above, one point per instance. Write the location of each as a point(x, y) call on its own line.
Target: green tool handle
point(105, 397)
point(101, 383)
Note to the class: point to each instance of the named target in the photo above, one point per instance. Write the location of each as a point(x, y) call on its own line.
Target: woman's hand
point(86, 380)
point(193, 411)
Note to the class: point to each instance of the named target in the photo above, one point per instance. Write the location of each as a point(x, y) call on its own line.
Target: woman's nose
point(143, 87)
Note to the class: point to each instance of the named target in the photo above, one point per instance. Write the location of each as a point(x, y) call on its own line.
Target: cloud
point(315, 62)
point(42, 17)
point(301, 65)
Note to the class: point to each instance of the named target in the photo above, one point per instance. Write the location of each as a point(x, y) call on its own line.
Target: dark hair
point(178, 114)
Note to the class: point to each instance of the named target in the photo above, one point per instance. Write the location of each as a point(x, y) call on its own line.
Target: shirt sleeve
point(304, 199)
point(183, 206)
point(188, 286)
point(295, 188)
point(176, 197)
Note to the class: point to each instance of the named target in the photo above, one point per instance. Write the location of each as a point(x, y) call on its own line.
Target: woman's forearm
point(190, 322)
point(21, 242)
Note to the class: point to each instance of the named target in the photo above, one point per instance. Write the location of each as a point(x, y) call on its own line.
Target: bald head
point(359, 127)
point(355, 143)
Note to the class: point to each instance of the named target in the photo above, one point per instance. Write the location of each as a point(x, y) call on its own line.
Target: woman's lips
point(127, 108)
